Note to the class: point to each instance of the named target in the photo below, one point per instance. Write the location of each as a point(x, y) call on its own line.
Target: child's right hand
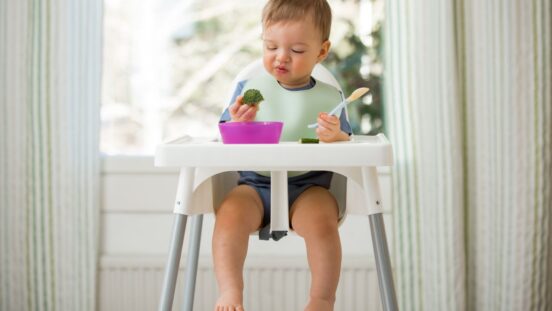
point(240, 112)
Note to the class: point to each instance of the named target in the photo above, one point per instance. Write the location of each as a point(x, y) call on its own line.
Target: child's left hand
point(329, 128)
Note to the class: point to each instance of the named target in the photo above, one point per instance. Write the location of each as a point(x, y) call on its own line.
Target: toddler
point(295, 38)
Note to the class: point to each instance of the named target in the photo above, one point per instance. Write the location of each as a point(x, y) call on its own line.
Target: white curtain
point(50, 65)
point(469, 111)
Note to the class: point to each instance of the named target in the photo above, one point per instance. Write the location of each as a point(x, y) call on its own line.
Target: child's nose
point(282, 57)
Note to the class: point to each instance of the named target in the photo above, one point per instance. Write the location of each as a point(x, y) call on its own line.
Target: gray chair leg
point(383, 263)
point(191, 263)
point(171, 270)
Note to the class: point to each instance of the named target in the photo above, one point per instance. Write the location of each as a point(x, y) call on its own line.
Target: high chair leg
point(379, 240)
point(191, 264)
point(171, 270)
point(383, 263)
point(183, 199)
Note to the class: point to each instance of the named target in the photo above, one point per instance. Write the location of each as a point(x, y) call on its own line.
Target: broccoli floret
point(252, 97)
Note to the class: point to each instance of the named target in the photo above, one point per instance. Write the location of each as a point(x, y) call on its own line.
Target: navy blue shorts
point(296, 186)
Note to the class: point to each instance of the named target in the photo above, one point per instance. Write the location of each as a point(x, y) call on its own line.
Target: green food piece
point(309, 140)
point(252, 97)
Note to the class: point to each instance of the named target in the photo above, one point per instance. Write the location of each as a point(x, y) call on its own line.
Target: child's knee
point(316, 225)
point(239, 210)
point(319, 230)
point(316, 207)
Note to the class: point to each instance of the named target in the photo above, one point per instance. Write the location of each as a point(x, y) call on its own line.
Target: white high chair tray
point(361, 151)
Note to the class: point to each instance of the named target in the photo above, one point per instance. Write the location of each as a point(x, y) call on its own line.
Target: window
point(168, 65)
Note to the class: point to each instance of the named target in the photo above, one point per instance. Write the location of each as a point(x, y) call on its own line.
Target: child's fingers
point(249, 114)
point(243, 109)
point(241, 112)
point(328, 118)
point(330, 123)
point(324, 134)
point(328, 127)
point(246, 113)
point(233, 109)
point(236, 105)
point(320, 131)
point(324, 128)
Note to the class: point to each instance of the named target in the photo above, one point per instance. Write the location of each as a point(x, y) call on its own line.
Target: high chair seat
point(207, 173)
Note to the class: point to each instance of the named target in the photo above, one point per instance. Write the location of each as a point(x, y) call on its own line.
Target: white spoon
point(354, 96)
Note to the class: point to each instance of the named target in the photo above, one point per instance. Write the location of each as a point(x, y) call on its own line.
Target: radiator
point(128, 283)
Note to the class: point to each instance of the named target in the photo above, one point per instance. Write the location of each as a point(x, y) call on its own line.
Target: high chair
point(207, 173)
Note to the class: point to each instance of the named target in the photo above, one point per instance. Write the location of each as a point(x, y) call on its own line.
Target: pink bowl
point(251, 132)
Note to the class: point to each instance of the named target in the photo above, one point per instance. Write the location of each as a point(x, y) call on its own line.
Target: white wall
point(136, 223)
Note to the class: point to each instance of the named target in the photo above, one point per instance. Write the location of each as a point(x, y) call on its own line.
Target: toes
point(229, 308)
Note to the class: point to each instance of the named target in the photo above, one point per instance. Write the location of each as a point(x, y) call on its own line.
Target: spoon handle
point(338, 108)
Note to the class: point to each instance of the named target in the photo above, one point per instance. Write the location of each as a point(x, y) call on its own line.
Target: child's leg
point(315, 216)
point(238, 216)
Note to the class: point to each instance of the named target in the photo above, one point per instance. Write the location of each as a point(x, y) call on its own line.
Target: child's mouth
point(281, 69)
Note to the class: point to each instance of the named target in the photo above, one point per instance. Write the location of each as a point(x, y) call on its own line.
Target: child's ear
point(324, 50)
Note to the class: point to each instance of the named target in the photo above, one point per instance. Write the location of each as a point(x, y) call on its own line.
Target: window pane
point(168, 65)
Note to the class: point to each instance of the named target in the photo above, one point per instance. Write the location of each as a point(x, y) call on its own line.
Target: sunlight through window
point(168, 65)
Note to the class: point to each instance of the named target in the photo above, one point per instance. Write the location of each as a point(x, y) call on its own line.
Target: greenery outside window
point(168, 65)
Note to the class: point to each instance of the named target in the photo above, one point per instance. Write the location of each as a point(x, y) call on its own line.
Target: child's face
point(291, 49)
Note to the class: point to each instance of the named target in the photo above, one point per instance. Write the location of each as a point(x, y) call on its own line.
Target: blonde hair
point(286, 10)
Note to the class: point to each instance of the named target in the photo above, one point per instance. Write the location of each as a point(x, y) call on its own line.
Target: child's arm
point(239, 112)
point(329, 129)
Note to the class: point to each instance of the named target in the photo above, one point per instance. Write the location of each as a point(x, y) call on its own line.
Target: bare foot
point(317, 304)
point(229, 301)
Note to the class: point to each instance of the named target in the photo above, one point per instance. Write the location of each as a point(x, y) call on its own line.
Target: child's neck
point(309, 84)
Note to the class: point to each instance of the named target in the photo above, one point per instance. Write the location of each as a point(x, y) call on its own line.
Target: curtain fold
point(468, 109)
point(50, 66)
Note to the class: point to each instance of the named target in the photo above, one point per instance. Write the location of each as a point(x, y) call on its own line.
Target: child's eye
point(298, 51)
point(271, 48)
